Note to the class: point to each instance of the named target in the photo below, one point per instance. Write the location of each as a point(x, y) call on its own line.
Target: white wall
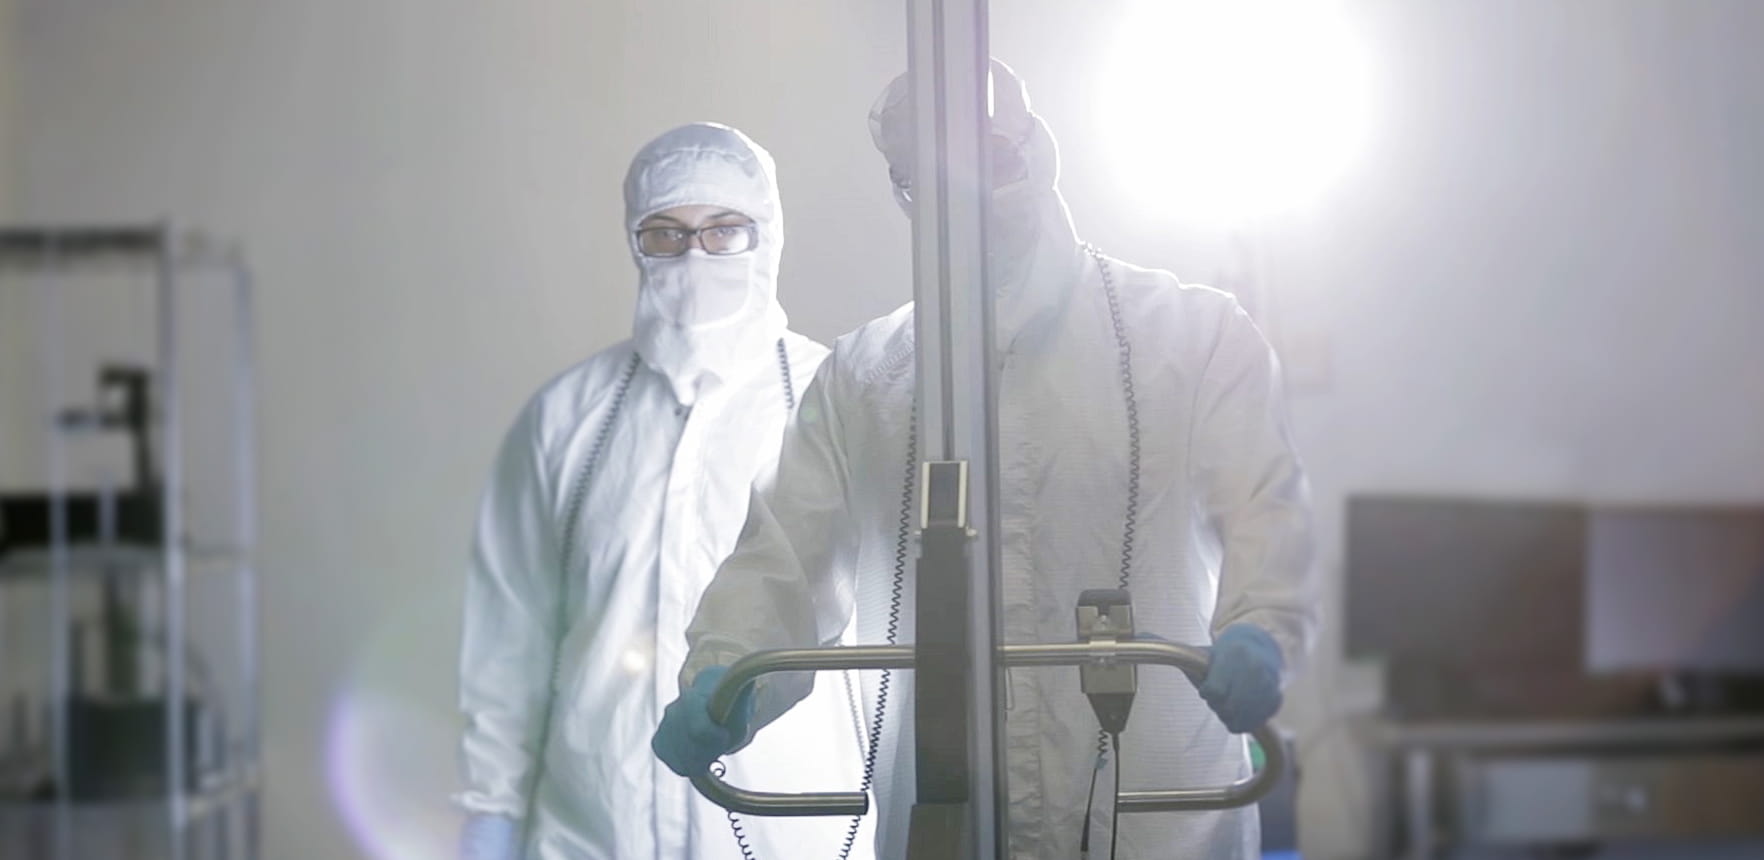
point(12, 353)
point(430, 192)
point(8, 73)
point(1542, 278)
point(15, 356)
point(1546, 281)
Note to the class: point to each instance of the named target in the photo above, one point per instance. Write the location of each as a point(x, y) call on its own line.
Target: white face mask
point(701, 316)
point(1012, 232)
point(698, 289)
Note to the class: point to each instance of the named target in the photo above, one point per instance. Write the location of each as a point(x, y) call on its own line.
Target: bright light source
point(1232, 109)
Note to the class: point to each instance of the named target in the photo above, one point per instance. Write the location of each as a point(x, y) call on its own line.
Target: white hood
point(702, 320)
point(1036, 258)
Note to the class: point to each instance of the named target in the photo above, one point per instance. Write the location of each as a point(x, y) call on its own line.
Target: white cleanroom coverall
point(1221, 530)
point(621, 486)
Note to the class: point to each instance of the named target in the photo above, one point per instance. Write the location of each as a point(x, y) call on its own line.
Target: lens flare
point(391, 736)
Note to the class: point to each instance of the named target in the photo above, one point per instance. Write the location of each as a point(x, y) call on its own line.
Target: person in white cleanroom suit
point(1191, 463)
point(621, 486)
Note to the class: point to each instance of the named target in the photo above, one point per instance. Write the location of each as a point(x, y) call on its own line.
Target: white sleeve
point(789, 581)
point(1255, 492)
point(509, 640)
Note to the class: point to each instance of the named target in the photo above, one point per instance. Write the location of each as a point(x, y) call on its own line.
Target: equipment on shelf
point(132, 743)
point(134, 515)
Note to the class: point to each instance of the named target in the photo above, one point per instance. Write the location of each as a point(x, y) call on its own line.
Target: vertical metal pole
point(948, 61)
point(172, 486)
point(60, 611)
point(1418, 785)
point(245, 502)
point(18, 726)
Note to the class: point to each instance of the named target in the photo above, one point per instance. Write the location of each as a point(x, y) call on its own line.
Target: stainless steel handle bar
point(1191, 660)
point(760, 663)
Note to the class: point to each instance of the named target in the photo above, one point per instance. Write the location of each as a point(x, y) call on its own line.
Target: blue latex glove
point(1243, 680)
point(688, 740)
point(489, 837)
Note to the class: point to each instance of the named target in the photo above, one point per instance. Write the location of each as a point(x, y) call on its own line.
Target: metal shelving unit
point(221, 792)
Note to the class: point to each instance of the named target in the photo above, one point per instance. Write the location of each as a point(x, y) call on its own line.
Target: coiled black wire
point(1115, 808)
point(1130, 523)
point(572, 519)
point(578, 495)
point(789, 410)
point(789, 384)
point(717, 769)
point(1129, 527)
point(896, 598)
point(579, 492)
point(857, 722)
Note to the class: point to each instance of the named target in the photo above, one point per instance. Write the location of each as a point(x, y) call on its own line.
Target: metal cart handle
point(1191, 660)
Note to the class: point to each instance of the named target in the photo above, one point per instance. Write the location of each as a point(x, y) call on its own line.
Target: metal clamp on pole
point(1106, 616)
point(1100, 653)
